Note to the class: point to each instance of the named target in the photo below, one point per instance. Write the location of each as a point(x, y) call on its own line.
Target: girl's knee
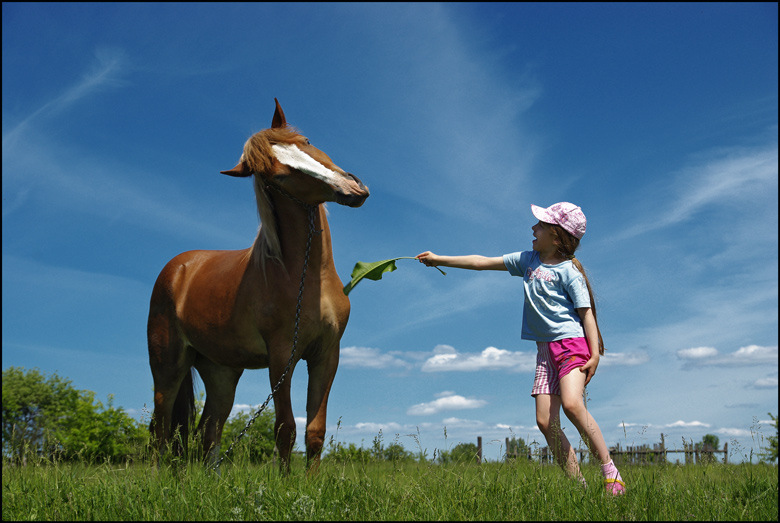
point(574, 409)
point(544, 425)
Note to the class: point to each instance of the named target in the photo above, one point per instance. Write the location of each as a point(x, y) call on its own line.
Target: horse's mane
point(259, 157)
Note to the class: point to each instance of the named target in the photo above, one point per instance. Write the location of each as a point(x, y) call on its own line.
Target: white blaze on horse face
point(291, 156)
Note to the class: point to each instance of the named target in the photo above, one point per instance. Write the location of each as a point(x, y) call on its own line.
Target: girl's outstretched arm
point(474, 262)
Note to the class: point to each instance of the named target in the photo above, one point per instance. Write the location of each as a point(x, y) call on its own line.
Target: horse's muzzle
point(353, 199)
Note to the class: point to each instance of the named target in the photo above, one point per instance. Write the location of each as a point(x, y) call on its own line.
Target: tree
point(711, 441)
point(516, 449)
point(47, 416)
point(461, 453)
point(32, 406)
point(258, 443)
point(770, 453)
point(340, 452)
point(396, 452)
point(707, 444)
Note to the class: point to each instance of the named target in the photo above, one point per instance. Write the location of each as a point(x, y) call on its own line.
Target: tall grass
point(382, 490)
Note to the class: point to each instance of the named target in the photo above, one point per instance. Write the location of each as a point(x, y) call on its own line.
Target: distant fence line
point(632, 455)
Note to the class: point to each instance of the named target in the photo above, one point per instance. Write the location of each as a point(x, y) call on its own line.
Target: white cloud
point(765, 383)
point(676, 424)
point(459, 422)
point(445, 401)
point(686, 424)
point(374, 428)
point(446, 358)
point(734, 433)
point(697, 352)
point(623, 358)
point(745, 356)
point(368, 357)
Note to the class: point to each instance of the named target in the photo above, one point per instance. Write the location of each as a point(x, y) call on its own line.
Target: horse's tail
point(183, 415)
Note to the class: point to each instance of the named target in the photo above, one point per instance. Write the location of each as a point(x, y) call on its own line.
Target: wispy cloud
point(446, 400)
point(727, 177)
point(691, 428)
point(710, 356)
point(105, 72)
point(466, 112)
point(637, 357)
point(733, 432)
point(679, 424)
point(374, 428)
point(369, 358)
point(467, 294)
point(765, 383)
point(111, 189)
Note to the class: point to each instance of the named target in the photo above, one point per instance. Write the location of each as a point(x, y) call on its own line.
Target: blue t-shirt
point(552, 293)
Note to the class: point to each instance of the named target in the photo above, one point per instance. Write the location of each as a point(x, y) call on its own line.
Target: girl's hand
point(428, 258)
point(590, 368)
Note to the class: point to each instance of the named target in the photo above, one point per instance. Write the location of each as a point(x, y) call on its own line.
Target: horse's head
point(285, 159)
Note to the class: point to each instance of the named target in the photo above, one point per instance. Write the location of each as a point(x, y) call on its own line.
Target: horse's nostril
point(360, 183)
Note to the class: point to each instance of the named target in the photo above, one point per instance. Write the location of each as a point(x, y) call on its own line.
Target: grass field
point(382, 490)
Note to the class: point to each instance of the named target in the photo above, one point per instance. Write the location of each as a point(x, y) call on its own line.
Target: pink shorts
point(554, 360)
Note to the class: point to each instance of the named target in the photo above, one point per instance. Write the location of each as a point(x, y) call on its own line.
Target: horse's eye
point(308, 142)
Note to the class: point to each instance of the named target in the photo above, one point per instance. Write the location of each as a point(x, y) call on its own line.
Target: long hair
point(567, 244)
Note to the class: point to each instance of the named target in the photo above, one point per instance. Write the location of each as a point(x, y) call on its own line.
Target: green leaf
point(374, 271)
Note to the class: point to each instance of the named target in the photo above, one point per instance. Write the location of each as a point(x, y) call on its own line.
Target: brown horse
point(225, 311)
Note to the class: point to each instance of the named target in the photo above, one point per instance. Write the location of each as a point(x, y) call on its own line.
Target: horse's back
point(203, 293)
point(199, 271)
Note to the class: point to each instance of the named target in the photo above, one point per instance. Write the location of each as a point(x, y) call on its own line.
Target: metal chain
point(311, 209)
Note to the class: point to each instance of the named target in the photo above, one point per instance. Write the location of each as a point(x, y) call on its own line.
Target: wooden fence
point(639, 455)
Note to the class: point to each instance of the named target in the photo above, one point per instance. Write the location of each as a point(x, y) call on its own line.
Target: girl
point(559, 315)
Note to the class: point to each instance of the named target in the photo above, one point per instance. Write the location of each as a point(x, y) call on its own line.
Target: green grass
point(385, 491)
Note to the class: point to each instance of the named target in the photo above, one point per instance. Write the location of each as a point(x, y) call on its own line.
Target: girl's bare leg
point(548, 420)
point(572, 388)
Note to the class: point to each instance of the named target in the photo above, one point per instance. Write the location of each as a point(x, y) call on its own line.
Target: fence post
point(479, 449)
point(663, 449)
point(726, 452)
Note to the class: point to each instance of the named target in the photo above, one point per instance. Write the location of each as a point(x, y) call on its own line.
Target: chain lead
point(311, 209)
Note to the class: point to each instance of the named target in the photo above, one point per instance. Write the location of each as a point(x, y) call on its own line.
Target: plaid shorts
point(554, 360)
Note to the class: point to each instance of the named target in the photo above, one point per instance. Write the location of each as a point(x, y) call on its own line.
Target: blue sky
point(659, 120)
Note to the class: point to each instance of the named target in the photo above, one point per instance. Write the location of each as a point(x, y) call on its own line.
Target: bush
point(258, 443)
point(47, 417)
point(461, 453)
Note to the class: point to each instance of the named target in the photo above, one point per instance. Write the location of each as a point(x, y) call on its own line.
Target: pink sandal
point(614, 486)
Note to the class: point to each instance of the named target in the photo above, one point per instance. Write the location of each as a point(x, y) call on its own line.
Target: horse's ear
point(279, 119)
point(241, 170)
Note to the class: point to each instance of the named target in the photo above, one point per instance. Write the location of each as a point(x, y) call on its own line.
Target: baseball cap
point(565, 214)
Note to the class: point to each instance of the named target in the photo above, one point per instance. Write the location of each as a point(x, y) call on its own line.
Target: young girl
point(559, 315)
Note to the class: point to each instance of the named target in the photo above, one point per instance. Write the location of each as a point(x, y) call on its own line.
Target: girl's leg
point(548, 419)
point(572, 388)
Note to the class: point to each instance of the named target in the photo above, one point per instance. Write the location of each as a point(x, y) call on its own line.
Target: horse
point(223, 311)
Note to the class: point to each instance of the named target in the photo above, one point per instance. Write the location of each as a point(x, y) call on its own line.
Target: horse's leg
point(170, 361)
point(284, 426)
point(220, 383)
point(322, 370)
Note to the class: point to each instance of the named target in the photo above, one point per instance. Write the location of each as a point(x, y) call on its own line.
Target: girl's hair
point(567, 244)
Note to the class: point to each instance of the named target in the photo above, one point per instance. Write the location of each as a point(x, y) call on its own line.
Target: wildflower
point(303, 507)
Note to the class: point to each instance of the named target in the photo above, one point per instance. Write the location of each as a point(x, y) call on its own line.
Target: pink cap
point(565, 214)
